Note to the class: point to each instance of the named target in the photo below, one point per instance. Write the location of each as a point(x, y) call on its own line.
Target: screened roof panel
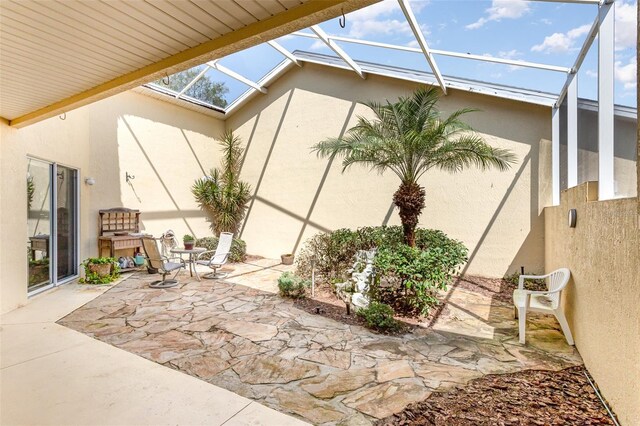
point(547, 36)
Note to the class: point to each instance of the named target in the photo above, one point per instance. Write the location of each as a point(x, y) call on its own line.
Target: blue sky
point(544, 32)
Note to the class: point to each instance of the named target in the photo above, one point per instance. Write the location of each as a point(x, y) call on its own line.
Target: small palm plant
point(409, 137)
point(222, 194)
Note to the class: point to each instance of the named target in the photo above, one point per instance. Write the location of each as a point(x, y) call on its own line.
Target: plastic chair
point(545, 302)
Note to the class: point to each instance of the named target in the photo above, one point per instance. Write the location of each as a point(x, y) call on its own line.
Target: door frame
point(53, 239)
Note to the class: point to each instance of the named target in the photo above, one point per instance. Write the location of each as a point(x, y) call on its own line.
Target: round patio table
point(191, 252)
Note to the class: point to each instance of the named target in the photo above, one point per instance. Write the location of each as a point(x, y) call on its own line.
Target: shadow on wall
point(164, 147)
point(322, 95)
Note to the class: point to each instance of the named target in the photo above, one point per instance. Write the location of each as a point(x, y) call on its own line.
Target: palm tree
point(409, 137)
point(222, 194)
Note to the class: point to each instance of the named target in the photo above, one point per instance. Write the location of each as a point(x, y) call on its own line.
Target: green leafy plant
point(31, 190)
point(409, 137)
point(379, 316)
point(238, 247)
point(292, 286)
point(413, 276)
point(188, 238)
point(93, 277)
point(222, 194)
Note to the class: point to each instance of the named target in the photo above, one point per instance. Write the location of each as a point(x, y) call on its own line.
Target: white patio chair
point(218, 257)
point(545, 302)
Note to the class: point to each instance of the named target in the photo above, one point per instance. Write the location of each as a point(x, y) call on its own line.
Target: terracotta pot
point(102, 269)
point(287, 259)
point(188, 245)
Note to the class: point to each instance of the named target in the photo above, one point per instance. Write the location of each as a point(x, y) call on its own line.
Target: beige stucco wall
point(603, 297)
point(496, 214)
point(164, 146)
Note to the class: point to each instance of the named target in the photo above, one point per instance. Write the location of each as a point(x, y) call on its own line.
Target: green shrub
point(93, 277)
point(379, 317)
point(188, 238)
point(238, 247)
point(414, 274)
point(292, 286)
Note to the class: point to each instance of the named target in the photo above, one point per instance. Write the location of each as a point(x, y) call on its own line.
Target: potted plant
point(188, 241)
point(100, 270)
point(287, 259)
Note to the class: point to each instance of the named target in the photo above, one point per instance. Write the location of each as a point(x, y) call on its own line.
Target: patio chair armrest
point(521, 279)
point(199, 255)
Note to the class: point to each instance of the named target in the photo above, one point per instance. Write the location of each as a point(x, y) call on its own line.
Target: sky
point(543, 32)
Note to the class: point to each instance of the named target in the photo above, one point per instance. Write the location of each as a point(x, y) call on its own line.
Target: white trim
point(569, 1)
point(417, 32)
point(284, 52)
point(555, 156)
point(338, 50)
point(235, 75)
point(572, 132)
point(606, 57)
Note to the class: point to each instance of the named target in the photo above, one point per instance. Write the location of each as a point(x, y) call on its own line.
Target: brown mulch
point(525, 398)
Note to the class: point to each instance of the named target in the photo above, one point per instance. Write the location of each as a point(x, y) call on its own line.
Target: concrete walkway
point(52, 375)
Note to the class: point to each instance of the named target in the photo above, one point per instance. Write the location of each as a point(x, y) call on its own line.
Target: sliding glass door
point(52, 210)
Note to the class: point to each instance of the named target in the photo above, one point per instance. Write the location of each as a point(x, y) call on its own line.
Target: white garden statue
point(356, 290)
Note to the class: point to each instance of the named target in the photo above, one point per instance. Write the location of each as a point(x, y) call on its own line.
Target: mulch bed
point(326, 303)
point(525, 398)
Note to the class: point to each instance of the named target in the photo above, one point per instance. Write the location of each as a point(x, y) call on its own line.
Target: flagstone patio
point(247, 339)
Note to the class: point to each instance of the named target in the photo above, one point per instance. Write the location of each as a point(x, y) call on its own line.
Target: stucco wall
point(496, 214)
point(164, 146)
point(603, 296)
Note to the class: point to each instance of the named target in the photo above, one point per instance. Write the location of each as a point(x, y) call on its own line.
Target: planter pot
point(102, 270)
point(287, 259)
point(188, 245)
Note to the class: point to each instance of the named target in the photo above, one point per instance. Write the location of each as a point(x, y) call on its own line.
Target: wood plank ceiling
point(53, 51)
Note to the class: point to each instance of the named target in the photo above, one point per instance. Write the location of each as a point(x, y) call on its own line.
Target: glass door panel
point(38, 188)
point(66, 222)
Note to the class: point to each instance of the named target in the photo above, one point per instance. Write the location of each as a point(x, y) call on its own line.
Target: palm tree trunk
point(409, 198)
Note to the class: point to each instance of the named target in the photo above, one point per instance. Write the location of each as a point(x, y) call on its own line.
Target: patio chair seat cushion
point(536, 301)
point(207, 263)
point(172, 266)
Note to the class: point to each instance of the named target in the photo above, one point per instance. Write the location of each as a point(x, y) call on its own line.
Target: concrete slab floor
point(50, 374)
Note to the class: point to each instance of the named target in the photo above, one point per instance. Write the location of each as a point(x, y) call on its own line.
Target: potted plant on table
point(100, 270)
point(188, 241)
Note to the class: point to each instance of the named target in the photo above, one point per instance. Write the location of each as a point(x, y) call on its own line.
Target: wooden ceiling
point(56, 55)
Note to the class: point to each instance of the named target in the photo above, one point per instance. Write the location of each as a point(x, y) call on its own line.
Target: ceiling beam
point(216, 65)
point(192, 82)
point(293, 19)
point(484, 58)
point(338, 50)
point(284, 52)
point(417, 32)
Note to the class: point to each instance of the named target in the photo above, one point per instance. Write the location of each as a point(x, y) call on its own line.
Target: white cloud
point(502, 9)
point(360, 29)
point(384, 18)
point(626, 74)
point(561, 42)
point(626, 28)
point(318, 45)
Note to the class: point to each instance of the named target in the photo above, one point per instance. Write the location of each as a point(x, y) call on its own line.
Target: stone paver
point(258, 345)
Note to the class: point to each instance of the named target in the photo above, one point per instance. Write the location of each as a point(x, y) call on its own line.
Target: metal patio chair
point(165, 265)
point(218, 257)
